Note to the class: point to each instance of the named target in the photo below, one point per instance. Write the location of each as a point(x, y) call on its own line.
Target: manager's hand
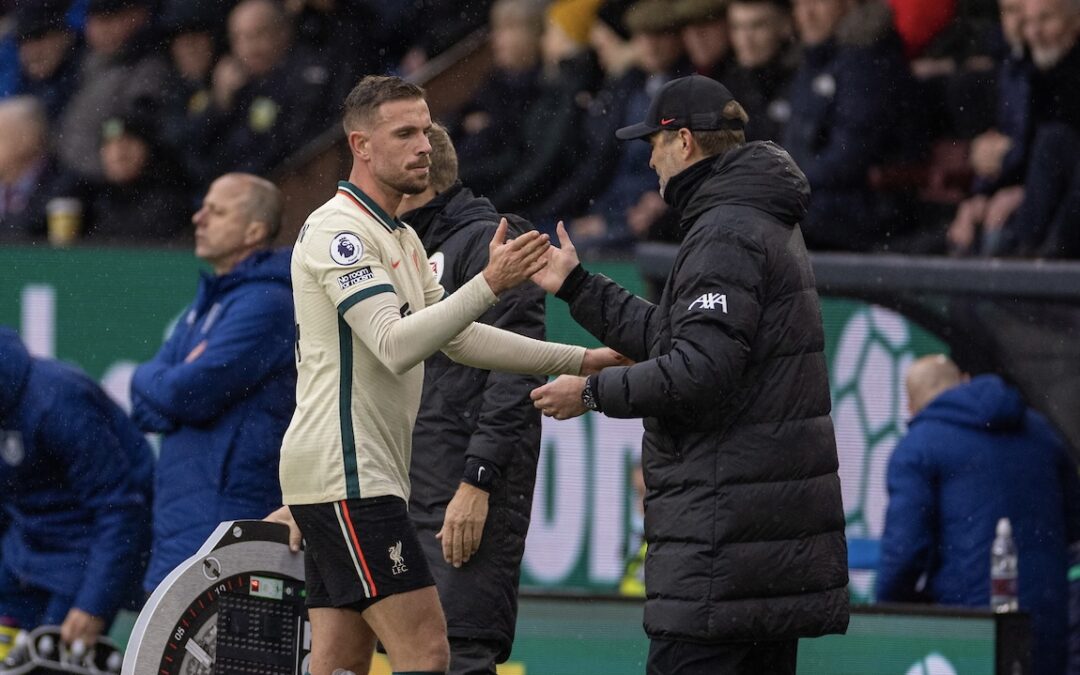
point(512, 262)
point(561, 262)
point(463, 526)
point(560, 398)
point(284, 516)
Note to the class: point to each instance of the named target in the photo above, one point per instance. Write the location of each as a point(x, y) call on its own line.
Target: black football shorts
point(359, 551)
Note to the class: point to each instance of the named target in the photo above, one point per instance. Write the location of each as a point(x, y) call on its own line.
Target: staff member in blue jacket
point(75, 481)
point(221, 390)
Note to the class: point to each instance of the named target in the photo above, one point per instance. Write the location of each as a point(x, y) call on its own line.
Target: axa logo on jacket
point(710, 301)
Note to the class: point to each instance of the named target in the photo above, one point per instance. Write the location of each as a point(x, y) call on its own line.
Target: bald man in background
point(974, 453)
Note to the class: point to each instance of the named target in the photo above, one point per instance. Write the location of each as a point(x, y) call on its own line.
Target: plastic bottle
point(1003, 566)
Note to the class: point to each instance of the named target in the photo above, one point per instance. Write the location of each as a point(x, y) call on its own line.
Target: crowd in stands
point(923, 126)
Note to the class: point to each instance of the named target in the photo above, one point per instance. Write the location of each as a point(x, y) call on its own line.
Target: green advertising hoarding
point(109, 309)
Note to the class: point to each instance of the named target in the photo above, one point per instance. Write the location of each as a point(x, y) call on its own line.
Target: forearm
point(613, 315)
point(489, 348)
point(402, 343)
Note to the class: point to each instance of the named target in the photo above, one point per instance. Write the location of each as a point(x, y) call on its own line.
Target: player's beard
point(408, 183)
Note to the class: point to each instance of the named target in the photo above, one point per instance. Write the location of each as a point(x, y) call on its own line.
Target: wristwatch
point(588, 398)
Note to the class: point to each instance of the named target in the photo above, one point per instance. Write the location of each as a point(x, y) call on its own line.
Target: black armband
point(480, 473)
point(572, 284)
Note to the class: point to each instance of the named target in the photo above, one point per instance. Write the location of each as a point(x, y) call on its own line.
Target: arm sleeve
point(613, 315)
point(489, 348)
point(360, 287)
point(250, 342)
point(506, 412)
point(147, 417)
point(714, 317)
point(907, 542)
point(101, 473)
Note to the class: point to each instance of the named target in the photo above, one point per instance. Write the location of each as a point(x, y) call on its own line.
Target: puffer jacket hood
point(14, 369)
point(760, 174)
point(985, 403)
point(448, 213)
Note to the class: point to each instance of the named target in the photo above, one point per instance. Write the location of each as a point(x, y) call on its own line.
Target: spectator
point(122, 67)
point(28, 171)
point(143, 194)
point(705, 35)
point(267, 99)
point(221, 388)
point(1047, 220)
point(331, 29)
point(552, 120)
point(192, 30)
point(596, 159)
point(918, 22)
point(432, 27)
point(658, 51)
point(743, 517)
point(477, 437)
point(763, 66)
point(849, 111)
point(75, 481)
point(498, 110)
point(998, 156)
point(975, 453)
point(49, 54)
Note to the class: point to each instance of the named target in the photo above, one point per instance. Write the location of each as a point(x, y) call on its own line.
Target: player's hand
point(560, 398)
point(512, 262)
point(79, 625)
point(284, 516)
point(597, 359)
point(463, 526)
point(561, 262)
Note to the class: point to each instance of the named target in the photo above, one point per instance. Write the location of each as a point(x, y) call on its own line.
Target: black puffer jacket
point(467, 412)
point(742, 513)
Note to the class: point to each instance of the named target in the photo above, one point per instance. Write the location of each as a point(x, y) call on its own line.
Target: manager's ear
point(257, 233)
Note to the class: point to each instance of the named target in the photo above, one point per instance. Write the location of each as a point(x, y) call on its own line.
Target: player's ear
point(358, 144)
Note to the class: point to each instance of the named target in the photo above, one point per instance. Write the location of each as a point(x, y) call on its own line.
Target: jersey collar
point(368, 204)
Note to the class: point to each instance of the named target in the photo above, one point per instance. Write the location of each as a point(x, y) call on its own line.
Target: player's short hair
point(373, 90)
point(444, 161)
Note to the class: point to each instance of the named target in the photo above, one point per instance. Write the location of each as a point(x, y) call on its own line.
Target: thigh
point(412, 629)
point(340, 638)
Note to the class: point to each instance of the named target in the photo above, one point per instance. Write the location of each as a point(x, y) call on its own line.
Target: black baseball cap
point(695, 103)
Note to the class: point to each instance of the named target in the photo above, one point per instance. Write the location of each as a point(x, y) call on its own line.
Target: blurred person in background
point(476, 441)
point(496, 112)
point(221, 389)
point(50, 54)
point(1047, 218)
point(193, 31)
point(123, 65)
point(143, 194)
point(974, 453)
point(658, 55)
point(267, 96)
point(705, 35)
point(75, 482)
point(998, 156)
point(852, 102)
point(764, 63)
point(552, 121)
point(339, 32)
point(29, 172)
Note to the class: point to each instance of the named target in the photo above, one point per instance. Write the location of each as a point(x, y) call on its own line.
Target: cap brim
point(639, 130)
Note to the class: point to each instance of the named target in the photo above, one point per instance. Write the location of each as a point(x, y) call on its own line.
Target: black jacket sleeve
point(612, 314)
point(715, 309)
point(507, 412)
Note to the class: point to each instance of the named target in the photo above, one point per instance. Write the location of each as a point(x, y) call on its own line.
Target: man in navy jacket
point(975, 453)
point(221, 389)
point(75, 481)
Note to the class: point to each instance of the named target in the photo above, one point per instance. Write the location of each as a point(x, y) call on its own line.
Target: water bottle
point(1003, 565)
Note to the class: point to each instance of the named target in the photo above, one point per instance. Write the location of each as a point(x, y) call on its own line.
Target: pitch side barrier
point(1018, 318)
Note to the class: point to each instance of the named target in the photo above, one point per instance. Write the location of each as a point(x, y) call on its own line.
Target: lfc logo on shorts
point(397, 559)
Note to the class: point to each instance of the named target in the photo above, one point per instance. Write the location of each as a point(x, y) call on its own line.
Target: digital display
point(265, 587)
